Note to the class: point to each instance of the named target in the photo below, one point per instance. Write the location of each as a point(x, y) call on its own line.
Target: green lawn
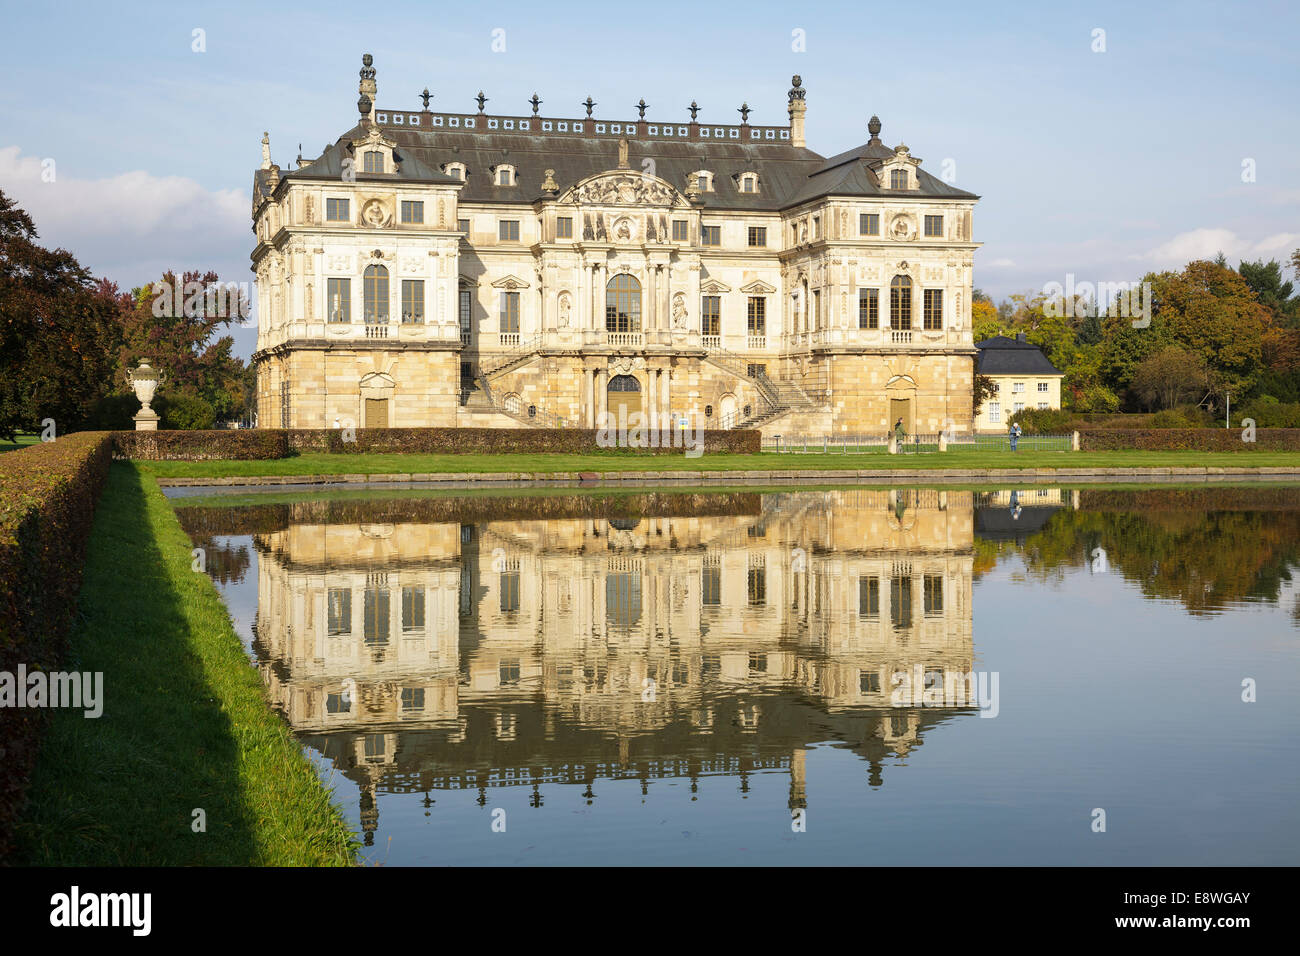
point(22, 442)
point(608, 462)
point(185, 723)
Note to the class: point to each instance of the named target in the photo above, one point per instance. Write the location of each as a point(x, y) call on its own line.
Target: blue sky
point(1101, 164)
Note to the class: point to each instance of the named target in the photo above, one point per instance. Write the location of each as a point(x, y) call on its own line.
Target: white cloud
point(1208, 243)
point(1001, 264)
point(128, 226)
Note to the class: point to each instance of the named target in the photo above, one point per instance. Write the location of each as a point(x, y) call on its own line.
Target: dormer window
point(749, 182)
point(455, 169)
point(898, 179)
point(372, 161)
point(504, 175)
point(704, 181)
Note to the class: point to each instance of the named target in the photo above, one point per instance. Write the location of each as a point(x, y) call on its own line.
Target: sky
point(1167, 136)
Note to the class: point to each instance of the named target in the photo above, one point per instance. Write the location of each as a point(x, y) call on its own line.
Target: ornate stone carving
point(680, 315)
point(624, 189)
point(566, 308)
point(376, 214)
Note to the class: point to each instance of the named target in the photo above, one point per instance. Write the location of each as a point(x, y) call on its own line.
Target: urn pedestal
point(145, 380)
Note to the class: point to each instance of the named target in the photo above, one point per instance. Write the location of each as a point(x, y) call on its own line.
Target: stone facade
point(435, 269)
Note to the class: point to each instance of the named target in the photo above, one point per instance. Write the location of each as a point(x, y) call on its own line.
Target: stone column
point(602, 397)
point(665, 401)
point(650, 320)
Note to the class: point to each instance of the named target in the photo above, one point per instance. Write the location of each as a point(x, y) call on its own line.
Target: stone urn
point(145, 380)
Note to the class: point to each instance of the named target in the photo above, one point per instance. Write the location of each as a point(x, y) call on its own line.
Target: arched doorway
point(727, 411)
point(623, 304)
point(624, 398)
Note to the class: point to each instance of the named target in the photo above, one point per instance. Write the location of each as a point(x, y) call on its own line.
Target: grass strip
point(185, 723)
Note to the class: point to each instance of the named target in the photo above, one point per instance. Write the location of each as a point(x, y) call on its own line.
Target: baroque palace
point(499, 269)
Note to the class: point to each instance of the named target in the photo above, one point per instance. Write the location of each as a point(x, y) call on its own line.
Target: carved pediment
point(758, 287)
point(510, 283)
point(624, 189)
point(714, 287)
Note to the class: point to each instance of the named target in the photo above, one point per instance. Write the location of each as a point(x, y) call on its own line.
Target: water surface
point(872, 676)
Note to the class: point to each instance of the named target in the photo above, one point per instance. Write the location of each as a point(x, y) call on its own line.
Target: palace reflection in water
point(426, 655)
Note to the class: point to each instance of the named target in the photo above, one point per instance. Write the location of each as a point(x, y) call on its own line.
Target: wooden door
point(376, 413)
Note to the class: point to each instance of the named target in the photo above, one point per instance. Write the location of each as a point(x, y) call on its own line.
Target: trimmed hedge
point(281, 443)
point(48, 494)
point(1188, 439)
point(221, 443)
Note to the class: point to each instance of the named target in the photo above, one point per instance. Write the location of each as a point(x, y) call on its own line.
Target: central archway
point(624, 398)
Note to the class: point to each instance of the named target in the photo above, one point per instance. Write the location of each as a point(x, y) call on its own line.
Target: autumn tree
point(1170, 377)
point(58, 331)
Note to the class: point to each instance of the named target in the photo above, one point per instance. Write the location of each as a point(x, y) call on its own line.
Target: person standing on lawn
point(1014, 434)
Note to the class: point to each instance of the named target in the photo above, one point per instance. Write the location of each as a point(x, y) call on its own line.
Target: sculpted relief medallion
point(902, 228)
point(375, 214)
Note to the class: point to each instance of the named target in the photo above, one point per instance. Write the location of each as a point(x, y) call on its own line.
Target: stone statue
point(266, 150)
point(679, 312)
point(622, 153)
point(601, 235)
point(565, 307)
point(587, 232)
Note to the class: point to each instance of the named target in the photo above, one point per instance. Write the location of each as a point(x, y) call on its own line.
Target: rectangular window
point(412, 699)
point(338, 603)
point(1042, 406)
point(898, 179)
point(375, 611)
point(817, 309)
point(373, 161)
point(703, 182)
point(757, 315)
point(564, 227)
point(463, 225)
point(1017, 388)
point(1019, 407)
point(412, 212)
point(900, 602)
point(508, 670)
point(412, 609)
point(757, 583)
point(508, 230)
point(817, 227)
point(680, 230)
point(503, 177)
point(757, 236)
point(995, 412)
point(934, 226)
point(711, 585)
point(338, 300)
point(336, 210)
point(747, 186)
point(710, 235)
point(1042, 386)
point(510, 312)
point(466, 313)
point(933, 309)
point(932, 587)
point(412, 301)
point(869, 224)
point(900, 304)
point(711, 315)
point(868, 308)
point(868, 683)
point(509, 588)
point(868, 596)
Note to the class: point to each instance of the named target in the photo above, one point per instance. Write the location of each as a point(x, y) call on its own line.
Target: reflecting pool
point(867, 676)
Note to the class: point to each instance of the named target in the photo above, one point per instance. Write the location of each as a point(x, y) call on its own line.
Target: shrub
point(1188, 439)
point(1273, 414)
point(186, 412)
point(48, 494)
point(227, 443)
point(1044, 421)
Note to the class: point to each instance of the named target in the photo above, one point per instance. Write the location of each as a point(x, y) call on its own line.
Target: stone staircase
point(777, 396)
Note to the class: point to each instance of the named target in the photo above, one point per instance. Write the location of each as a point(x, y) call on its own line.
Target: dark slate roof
point(1005, 356)
point(411, 168)
point(788, 175)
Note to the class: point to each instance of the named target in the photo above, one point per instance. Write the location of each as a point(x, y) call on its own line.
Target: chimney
point(796, 110)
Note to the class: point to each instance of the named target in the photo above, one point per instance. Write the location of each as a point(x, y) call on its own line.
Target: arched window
point(373, 161)
point(375, 287)
point(623, 304)
point(624, 383)
point(900, 303)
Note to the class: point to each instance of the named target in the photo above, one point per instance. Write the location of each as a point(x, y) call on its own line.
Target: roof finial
point(873, 127)
point(589, 104)
point(266, 150)
point(694, 110)
point(536, 103)
point(367, 87)
point(481, 100)
point(744, 113)
point(426, 96)
point(641, 106)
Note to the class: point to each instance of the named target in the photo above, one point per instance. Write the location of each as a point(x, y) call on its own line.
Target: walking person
point(900, 434)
